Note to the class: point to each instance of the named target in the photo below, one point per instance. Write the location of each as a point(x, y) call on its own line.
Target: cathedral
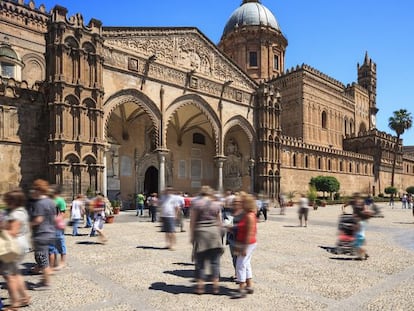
point(123, 110)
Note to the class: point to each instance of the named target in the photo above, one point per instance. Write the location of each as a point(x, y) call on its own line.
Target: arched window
point(329, 165)
point(199, 139)
point(350, 167)
point(294, 160)
point(341, 167)
point(306, 162)
point(10, 63)
point(319, 163)
point(324, 120)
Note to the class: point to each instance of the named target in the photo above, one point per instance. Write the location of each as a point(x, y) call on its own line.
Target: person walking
point(152, 202)
point(303, 209)
point(43, 228)
point(246, 243)
point(60, 244)
point(205, 232)
point(140, 204)
point(77, 212)
point(233, 220)
point(17, 225)
point(169, 206)
point(99, 217)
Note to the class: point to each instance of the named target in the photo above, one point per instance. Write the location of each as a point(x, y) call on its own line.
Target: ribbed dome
point(7, 51)
point(251, 13)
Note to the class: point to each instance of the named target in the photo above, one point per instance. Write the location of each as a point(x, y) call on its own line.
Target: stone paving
point(292, 271)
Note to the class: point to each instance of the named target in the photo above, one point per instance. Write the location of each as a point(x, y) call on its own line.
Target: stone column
point(161, 172)
point(251, 172)
point(219, 162)
point(105, 177)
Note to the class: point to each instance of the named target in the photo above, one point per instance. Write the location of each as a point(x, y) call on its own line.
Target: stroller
point(346, 231)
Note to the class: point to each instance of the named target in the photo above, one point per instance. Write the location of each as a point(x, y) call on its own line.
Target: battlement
point(24, 14)
point(298, 143)
point(59, 14)
point(374, 133)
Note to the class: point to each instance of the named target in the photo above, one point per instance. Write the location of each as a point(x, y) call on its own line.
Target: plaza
point(291, 270)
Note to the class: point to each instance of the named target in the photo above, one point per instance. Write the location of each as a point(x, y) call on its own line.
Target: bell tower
point(75, 97)
point(367, 78)
point(253, 40)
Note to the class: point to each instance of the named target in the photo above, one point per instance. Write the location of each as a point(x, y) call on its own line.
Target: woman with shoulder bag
point(17, 225)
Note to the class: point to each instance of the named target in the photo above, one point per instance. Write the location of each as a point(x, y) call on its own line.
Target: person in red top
point(246, 240)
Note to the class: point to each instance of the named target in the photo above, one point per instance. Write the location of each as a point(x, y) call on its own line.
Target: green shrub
point(410, 189)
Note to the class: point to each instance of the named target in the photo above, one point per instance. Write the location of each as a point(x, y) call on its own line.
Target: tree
point(325, 184)
point(399, 122)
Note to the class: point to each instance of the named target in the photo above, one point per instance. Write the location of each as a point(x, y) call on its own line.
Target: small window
point(276, 62)
point(306, 162)
point(253, 59)
point(7, 70)
point(294, 160)
point(324, 120)
point(199, 139)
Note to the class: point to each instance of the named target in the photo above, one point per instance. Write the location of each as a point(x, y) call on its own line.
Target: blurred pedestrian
point(77, 212)
point(98, 206)
point(303, 209)
point(60, 244)
point(205, 228)
point(246, 243)
point(169, 208)
point(237, 213)
point(17, 225)
point(43, 228)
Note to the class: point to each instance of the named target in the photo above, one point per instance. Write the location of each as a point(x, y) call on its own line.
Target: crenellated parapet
point(16, 89)
point(24, 14)
point(297, 143)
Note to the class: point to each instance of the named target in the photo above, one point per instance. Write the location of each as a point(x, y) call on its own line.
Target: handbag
point(10, 250)
point(60, 222)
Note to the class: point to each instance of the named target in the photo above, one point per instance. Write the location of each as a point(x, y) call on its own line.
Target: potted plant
point(116, 206)
point(109, 212)
point(290, 196)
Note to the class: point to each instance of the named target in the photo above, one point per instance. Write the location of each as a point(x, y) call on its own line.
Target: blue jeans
point(75, 225)
point(88, 220)
point(140, 209)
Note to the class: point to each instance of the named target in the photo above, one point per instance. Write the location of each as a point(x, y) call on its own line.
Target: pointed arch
point(245, 126)
point(138, 98)
point(204, 106)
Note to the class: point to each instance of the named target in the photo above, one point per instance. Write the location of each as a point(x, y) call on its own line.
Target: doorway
point(151, 180)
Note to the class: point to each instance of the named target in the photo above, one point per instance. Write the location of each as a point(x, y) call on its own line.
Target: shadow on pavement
point(182, 289)
point(151, 247)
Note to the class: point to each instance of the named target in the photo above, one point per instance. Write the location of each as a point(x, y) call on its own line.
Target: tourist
point(262, 207)
point(246, 244)
point(236, 215)
point(98, 207)
point(18, 227)
point(360, 240)
point(60, 243)
point(169, 209)
point(303, 209)
point(77, 211)
point(180, 210)
point(282, 203)
point(205, 228)
point(140, 204)
point(43, 228)
point(152, 202)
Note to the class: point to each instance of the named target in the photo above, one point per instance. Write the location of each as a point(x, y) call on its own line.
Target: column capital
point(220, 158)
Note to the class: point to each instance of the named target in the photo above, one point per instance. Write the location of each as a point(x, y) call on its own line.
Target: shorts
point(168, 224)
point(59, 245)
point(303, 211)
point(41, 252)
point(98, 223)
point(359, 241)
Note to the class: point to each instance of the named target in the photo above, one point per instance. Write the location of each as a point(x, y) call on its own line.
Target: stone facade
point(124, 110)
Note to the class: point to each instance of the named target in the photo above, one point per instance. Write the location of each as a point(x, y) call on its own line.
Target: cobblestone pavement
point(292, 270)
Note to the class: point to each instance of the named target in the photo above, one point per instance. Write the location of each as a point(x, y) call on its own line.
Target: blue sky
point(331, 36)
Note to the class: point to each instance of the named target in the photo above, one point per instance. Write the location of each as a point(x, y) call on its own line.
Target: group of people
point(37, 222)
point(33, 223)
point(212, 219)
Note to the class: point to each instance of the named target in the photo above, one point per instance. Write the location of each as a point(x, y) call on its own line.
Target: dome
point(253, 13)
point(7, 52)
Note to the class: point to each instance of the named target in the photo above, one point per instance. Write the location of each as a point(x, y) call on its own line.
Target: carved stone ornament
point(186, 49)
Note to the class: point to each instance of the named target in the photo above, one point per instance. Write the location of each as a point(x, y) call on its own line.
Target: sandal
point(199, 290)
point(26, 301)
